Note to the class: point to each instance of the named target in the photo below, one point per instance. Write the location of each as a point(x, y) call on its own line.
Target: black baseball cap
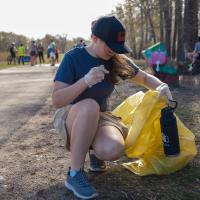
point(112, 32)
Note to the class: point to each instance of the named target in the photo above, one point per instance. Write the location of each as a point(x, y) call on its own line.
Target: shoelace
point(82, 179)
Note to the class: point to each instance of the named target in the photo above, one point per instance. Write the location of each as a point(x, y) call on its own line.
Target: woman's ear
point(94, 38)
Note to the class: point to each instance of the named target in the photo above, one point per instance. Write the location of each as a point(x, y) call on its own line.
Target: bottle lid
point(173, 104)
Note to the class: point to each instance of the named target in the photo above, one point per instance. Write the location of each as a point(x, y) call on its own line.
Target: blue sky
point(35, 18)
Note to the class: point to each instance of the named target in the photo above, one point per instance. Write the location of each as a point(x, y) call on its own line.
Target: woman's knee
point(113, 151)
point(85, 110)
point(88, 107)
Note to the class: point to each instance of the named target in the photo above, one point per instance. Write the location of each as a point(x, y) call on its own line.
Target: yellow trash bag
point(141, 112)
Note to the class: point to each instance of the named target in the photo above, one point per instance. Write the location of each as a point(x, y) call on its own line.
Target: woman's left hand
point(163, 90)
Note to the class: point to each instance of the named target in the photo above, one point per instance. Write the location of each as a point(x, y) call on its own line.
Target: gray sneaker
point(96, 165)
point(80, 186)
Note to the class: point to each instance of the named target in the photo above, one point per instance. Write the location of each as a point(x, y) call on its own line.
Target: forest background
point(174, 22)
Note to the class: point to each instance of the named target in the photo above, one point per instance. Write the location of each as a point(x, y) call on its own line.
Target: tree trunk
point(146, 26)
point(128, 9)
point(168, 24)
point(161, 20)
point(152, 31)
point(190, 24)
point(141, 31)
point(174, 29)
point(180, 54)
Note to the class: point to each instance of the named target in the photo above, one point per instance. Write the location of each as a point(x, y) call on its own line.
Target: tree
point(190, 24)
point(151, 25)
point(180, 54)
point(167, 7)
point(130, 25)
point(161, 12)
point(142, 20)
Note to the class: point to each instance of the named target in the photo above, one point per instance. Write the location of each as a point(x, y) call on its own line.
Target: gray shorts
point(106, 119)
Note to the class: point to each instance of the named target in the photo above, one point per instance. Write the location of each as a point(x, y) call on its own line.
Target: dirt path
point(33, 161)
point(23, 91)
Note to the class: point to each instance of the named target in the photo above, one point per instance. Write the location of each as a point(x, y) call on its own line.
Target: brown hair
point(120, 67)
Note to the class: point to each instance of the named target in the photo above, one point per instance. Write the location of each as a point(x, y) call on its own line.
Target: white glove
point(95, 75)
point(163, 90)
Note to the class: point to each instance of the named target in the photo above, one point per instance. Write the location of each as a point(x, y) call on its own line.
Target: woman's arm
point(63, 94)
point(147, 80)
point(151, 82)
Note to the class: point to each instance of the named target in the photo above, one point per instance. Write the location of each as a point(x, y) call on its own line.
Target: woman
point(33, 53)
point(40, 50)
point(84, 81)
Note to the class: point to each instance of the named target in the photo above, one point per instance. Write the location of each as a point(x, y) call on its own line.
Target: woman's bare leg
point(82, 123)
point(108, 143)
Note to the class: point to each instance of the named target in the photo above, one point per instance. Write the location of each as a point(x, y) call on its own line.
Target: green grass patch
point(5, 65)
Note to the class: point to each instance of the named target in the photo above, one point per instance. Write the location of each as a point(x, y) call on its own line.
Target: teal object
point(155, 48)
point(156, 55)
point(168, 69)
point(153, 58)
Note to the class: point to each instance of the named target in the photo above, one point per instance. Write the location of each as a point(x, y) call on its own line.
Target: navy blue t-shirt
point(75, 64)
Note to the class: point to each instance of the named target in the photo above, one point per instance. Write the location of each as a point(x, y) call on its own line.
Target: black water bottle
point(169, 131)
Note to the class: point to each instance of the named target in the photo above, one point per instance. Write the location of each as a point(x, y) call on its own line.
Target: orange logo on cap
point(121, 37)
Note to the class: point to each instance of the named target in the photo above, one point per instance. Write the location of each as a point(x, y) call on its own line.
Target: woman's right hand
point(95, 75)
point(163, 90)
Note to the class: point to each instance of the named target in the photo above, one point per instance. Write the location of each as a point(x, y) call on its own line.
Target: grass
point(4, 64)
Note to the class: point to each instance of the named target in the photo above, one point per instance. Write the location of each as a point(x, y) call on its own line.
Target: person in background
point(51, 52)
point(48, 51)
point(33, 53)
point(13, 52)
point(21, 54)
point(40, 50)
point(81, 43)
point(84, 80)
point(195, 54)
point(56, 54)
